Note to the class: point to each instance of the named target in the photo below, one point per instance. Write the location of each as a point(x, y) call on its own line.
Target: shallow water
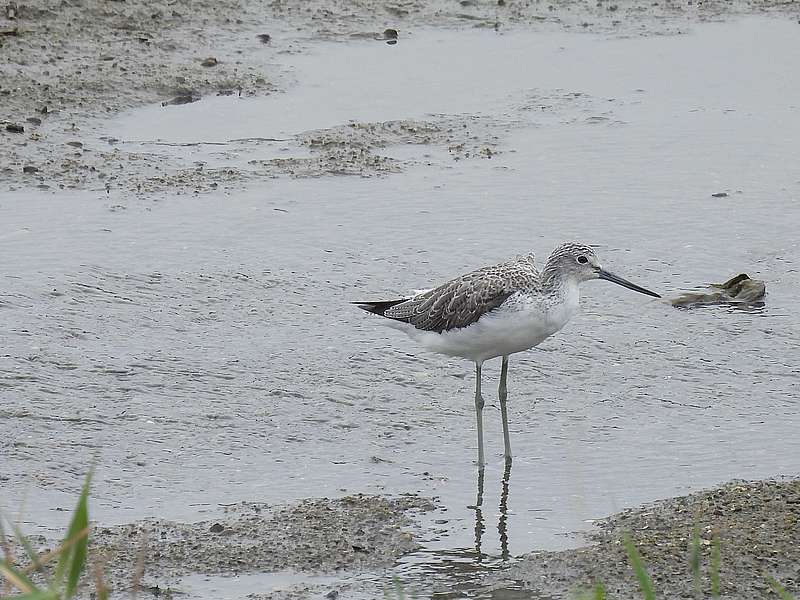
point(203, 350)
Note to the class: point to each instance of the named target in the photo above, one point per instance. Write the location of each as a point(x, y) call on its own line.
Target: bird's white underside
point(521, 323)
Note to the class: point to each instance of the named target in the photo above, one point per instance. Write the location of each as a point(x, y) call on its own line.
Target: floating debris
point(390, 35)
point(737, 290)
point(182, 98)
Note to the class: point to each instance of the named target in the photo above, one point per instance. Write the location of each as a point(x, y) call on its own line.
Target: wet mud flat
point(314, 536)
point(757, 524)
point(321, 548)
point(318, 536)
point(63, 66)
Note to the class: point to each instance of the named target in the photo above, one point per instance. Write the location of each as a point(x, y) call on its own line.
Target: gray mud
point(757, 524)
point(65, 65)
point(314, 536)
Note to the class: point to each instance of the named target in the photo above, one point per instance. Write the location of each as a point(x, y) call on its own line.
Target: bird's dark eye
point(583, 260)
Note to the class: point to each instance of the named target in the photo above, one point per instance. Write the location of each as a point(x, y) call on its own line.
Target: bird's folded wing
point(457, 303)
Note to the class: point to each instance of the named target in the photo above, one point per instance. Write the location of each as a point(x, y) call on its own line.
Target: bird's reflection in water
point(480, 526)
point(502, 523)
point(457, 572)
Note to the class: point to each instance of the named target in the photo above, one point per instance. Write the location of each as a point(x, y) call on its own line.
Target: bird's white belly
point(498, 333)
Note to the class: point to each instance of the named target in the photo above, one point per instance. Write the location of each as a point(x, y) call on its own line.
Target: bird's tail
point(380, 307)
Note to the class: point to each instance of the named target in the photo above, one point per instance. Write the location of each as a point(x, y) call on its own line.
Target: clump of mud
point(365, 148)
point(758, 525)
point(317, 535)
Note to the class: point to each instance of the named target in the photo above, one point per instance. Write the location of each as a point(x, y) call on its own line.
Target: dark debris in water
point(738, 290)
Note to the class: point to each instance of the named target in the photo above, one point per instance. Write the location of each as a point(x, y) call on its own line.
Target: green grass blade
point(716, 562)
point(694, 560)
point(778, 589)
point(599, 592)
point(17, 578)
point(645, 583)
point(39, 595)
point(73, 559)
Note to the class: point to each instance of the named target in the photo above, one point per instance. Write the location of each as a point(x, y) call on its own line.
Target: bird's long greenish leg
point(479, 414)
point(502, 392)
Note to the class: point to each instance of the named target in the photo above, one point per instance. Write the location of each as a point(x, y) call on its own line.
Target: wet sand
point(225, 396)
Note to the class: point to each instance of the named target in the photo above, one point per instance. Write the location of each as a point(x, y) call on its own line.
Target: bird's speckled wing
point(463, 300)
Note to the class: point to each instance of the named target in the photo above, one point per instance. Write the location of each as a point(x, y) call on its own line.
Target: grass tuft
point(779, 590)
point(645, 583)
point(71, 555)
point(716, 562)
point(694, 561)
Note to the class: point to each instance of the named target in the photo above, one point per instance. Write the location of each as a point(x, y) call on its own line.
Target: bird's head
point(579, 262)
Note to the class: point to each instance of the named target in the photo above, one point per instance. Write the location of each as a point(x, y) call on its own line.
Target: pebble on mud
point(264, 38)
point(30, 169)
point(182, 98)
point(15, 128)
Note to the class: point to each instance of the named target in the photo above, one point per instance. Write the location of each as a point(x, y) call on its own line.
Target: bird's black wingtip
point(380, 307)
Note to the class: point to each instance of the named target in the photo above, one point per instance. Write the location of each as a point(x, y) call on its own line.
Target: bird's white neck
point(563, 299)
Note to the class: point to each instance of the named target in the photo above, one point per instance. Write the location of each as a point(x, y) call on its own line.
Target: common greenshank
point(496, 311)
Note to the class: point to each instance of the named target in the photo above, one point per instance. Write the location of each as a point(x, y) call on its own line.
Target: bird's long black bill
point(603, 274)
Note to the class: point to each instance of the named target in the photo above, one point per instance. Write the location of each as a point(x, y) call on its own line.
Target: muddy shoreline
point(757, 524)
point(63, 66)
point(327, 543)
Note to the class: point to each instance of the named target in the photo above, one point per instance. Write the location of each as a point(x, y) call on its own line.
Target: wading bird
point(496, 311)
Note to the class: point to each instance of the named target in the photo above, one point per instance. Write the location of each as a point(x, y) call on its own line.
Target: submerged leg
point(502, 392)
point(479, 414)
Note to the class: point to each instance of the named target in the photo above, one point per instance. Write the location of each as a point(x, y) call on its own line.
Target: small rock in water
point(210, 62)
point(390, 35)
point(264, 38)
point(15, 128)
point(216, 528)
point(720, 195)
point(182, 98)
point(737, 290)
point(30, 169)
